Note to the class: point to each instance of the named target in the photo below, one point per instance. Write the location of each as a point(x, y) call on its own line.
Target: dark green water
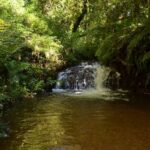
point(73, 123)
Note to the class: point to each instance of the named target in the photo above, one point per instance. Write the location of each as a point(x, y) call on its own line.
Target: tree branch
point(80, 18)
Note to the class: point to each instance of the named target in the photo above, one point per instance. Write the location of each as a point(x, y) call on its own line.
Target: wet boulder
point(113, 80)
point(1, 109)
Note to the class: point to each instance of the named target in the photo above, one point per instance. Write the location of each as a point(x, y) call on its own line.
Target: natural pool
point(79, 123)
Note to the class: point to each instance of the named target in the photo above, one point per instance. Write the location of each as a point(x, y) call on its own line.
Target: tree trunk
point(136, 7)
point(81, 17)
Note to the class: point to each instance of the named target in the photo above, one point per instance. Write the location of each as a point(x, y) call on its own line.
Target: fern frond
point(146, 57)
point(135, 41)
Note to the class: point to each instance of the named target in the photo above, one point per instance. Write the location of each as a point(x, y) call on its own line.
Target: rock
point(1, 107)
point(112, 80)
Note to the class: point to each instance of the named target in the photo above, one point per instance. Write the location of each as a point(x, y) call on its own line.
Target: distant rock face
point(78, 77)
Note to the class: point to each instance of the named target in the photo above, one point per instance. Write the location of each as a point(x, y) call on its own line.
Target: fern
point(147, 80)
point(134, 42)
point(146, 57)
point(142, 61)
point(111, 46)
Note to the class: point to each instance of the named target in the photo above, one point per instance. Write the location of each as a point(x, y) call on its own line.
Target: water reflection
point(75, 123)
point(48, 128)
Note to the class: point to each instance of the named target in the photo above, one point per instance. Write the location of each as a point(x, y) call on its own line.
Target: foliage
point(37, 37)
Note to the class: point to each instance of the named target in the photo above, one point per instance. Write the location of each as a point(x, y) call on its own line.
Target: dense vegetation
point(39, 37)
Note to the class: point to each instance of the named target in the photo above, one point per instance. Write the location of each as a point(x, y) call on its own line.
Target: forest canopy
point(39, 37)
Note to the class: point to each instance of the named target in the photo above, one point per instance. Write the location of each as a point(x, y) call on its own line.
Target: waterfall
point(102, 74)
point(90, 80)
point(82, 77)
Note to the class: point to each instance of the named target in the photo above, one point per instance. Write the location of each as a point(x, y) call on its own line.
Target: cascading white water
point(100, 90)
point(82, 77)
point(101, 76)
point(90, 80)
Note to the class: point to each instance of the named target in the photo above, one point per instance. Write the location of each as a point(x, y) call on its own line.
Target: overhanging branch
point(80, 18)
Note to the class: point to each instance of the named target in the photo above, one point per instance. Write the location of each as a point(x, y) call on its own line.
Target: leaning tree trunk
point(81, 16)
point(136, 8)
